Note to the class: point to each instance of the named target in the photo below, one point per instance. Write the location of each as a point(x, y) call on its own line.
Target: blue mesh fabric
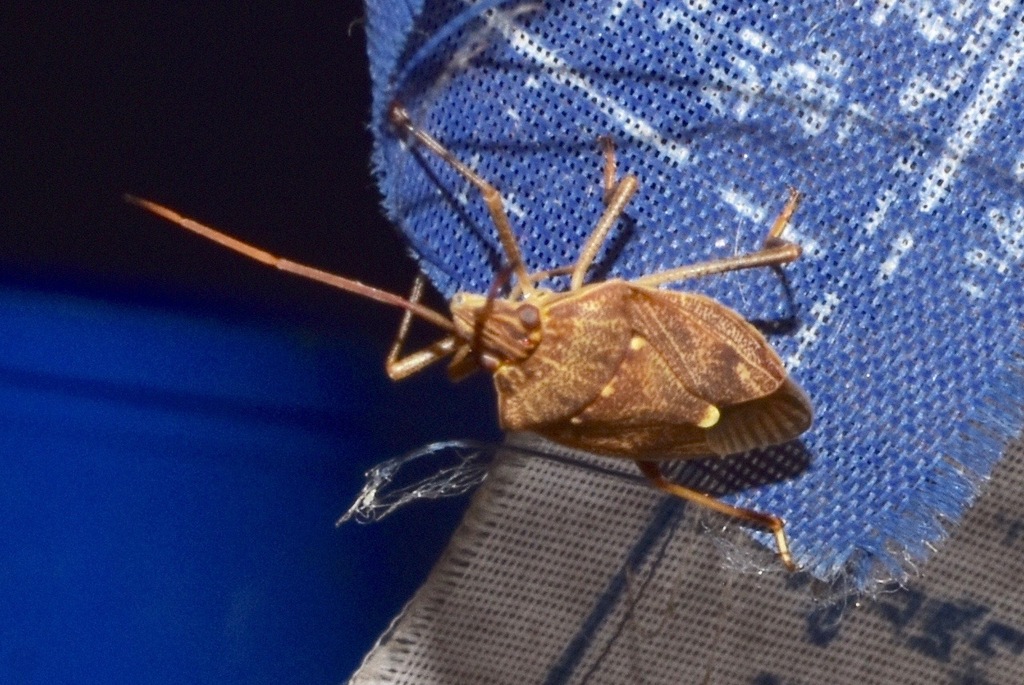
point(900, 123)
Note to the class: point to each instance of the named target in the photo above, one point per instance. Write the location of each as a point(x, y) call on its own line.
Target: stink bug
point(618, 368)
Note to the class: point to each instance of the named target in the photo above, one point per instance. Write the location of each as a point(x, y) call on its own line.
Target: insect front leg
point(775, 252)
point(614, 194)
point(610, 167)
point(515, 292)
point(398, 366)
point(768, 521)
point(492, 198)
point(617, 195)
point(783, 219)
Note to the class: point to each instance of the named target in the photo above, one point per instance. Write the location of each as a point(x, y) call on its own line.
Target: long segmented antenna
point(340, 282)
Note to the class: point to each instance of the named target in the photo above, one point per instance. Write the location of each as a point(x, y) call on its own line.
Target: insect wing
point(716, 354)
point(724, 360)
point(772, 420)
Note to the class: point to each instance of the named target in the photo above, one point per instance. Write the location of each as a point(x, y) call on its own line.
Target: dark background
point(252, 120)
point(182, 557)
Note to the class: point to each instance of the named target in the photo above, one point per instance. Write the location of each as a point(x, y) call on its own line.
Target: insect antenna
point(340, 282)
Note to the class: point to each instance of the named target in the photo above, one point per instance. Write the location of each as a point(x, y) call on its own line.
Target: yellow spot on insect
point(607, 390)
point(710, 417)
point(636, 343)
point(575, 420)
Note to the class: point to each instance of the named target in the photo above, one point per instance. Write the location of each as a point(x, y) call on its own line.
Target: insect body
point(618, 368)
point(631, 371)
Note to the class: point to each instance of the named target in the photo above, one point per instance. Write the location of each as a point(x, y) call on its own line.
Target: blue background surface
point(180, 428)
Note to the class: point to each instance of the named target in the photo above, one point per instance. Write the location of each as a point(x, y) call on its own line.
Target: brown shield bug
point(618, 368)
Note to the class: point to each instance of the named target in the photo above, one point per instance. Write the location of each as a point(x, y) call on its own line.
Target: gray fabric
point(560, 574)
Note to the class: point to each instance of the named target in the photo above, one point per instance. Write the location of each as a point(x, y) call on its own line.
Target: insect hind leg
point(770, 522)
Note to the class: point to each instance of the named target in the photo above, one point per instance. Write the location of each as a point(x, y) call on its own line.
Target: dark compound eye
point(529, 315)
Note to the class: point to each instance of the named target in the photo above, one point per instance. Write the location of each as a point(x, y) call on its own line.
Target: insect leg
point(768, 521)
point(610, 167)
point(616, 204)
point(538, 276)
point(399, 367)
point(492, 198)
point(610, 186)
point(775, 252)
point(782, 220)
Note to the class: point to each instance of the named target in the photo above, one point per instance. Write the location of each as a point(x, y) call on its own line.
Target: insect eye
point(529, 315)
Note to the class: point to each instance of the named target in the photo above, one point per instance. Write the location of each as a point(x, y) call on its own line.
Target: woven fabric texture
point(609, 583)
point(900, 122)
